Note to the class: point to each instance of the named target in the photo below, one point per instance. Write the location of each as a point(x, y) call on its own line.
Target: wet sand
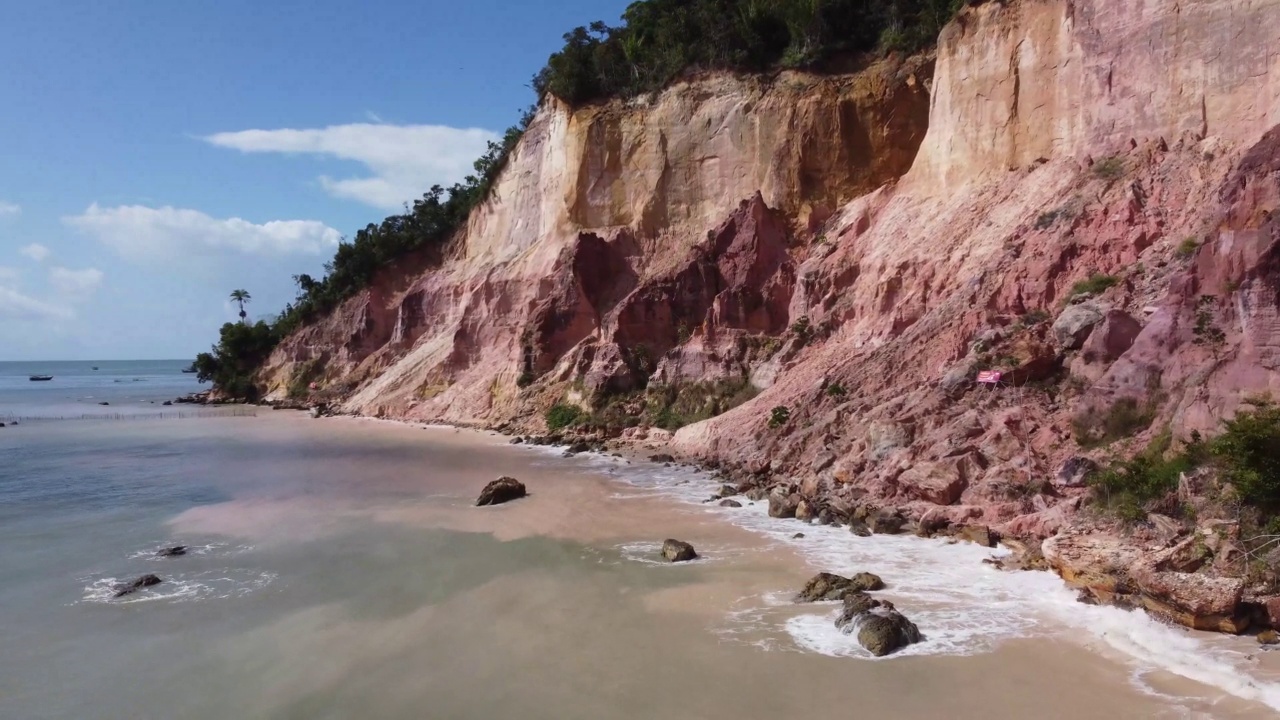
point(349, 575)
point(702, 646)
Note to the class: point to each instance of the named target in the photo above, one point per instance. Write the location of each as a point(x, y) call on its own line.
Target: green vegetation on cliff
point(664, 39)
point(1245, 457)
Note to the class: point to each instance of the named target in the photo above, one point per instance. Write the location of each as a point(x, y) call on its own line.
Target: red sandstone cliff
point(926, 222)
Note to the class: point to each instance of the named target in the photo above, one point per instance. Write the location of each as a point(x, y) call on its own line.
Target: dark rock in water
point(825, 517)
point(517, 441)
point(167, 402)
point(730, 503)
point(855, 604)
point(805, 511)
point(578, 447)
point(883, 631)
point(886, 522)
point(677, 551)
point(661, 458)
point(727, 491)
point(880, 627)
point(135, 585)
point(867, 581)
point(504, 489)
point(782, 502)
point(757, 494)
point(829, 586)
point(798, 536)
point(175, 551)
point(1269, 637)
point(1, 424)
point(104, 402)
point(859, 528)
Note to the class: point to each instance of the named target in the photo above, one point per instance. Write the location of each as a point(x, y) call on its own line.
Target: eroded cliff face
point(860, 247)
point(594, 247)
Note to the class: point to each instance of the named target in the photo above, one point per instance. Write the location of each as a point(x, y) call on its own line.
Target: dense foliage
point(1245, 455)
point(240, 350)
point(662, 39)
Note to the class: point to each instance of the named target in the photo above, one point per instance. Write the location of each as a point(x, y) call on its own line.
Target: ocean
point(337, 568)
point(78, 389)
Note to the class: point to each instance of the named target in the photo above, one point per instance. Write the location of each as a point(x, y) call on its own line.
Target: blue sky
point(158, 154)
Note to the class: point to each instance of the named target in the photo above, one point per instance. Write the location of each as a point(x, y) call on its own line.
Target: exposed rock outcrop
point(504, 489)
point(133, 586)
point(678, 551)
point(858, 249)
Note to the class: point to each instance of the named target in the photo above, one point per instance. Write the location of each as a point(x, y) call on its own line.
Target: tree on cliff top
point(663, 39)
point(240, 297)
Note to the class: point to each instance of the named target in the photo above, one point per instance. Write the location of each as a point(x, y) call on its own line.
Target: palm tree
point(240, 297)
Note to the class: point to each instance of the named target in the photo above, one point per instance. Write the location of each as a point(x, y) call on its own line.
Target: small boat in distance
point(95, 367)
point(190, 368)
point(41, 378)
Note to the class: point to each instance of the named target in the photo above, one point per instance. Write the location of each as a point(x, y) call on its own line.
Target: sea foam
point(961, 605)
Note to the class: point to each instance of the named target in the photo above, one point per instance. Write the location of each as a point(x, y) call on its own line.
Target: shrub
point(526, 379)
point(563, 415)
point(1248, 453)
point(779, 416)
point(1035, 317)
point(1109, 168)
point(1205, 331)
point(803, 330)
point(1121, 420)
point(1187, 248)
point(836, 390)
point(1095, 284)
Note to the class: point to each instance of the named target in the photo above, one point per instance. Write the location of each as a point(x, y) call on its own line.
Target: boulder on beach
point(829, 586)
point(727, 491)
point(517, 441)
point(805, 511)
point(756, 494)
point(783, 502)
point(504, 489)
point(133, 586)
point(175, 551)
point(730, 503)
point(1269, 637)
point(661, 458)
point(677, 551)
point(886, 522)
point(880, 628)
point(578, 447)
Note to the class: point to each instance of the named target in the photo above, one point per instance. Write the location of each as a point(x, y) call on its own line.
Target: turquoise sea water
point(130, 387)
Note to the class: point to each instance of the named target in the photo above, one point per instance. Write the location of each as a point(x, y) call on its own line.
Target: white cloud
point(36, 252)
point(17, 306)
point(156, 233)
point(8, 274)
point(405, 160)
point(75, 284)
point(8, 208)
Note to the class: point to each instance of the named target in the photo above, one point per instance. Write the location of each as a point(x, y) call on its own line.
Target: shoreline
point(1172, 656)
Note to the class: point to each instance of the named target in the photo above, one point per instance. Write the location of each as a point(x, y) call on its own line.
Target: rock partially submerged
point(880, 627)
point(730, 503)
point(504, 489)
point(175, 551)
point(661, 458)
point(678, 551)
point(134, 586)
point(829, 586)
